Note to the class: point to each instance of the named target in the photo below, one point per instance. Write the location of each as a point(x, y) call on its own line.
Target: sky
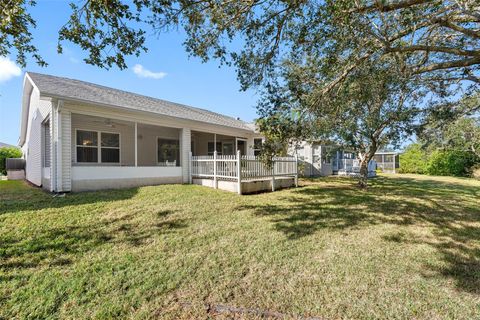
point(164, 72)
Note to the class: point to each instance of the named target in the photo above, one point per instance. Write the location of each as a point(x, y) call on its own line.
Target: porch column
point(185, 151)
point(136, 144)
point(215, 142)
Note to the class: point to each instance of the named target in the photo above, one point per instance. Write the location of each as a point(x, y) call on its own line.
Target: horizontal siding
point(38, 111)
point(66, 128)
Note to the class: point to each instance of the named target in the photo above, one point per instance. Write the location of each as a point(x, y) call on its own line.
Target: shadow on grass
point(451, 211)
point(59, 246)
point(23, 198)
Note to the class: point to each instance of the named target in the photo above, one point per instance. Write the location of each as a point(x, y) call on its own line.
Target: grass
point(408, 247)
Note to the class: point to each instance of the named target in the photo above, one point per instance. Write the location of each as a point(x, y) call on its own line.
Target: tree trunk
point(363, 180)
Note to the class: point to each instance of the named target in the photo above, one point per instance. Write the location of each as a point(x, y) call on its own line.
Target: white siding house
point(78, 136)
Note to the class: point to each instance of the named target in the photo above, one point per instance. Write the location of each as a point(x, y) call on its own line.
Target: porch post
point(394, 168)
point(296, 170)
point(215, 183)
point(239, 172)
point(136, 144)
point(215, 142)
point(190, 167)
point(273, 175)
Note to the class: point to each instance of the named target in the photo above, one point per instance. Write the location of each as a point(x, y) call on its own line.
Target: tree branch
point(455, 51)
point(448, 65)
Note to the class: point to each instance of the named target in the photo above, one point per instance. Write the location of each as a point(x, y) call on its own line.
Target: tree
point(432, 45)
point(375, 108)
point(436, 40)
point(414, 159)
point(455, 126)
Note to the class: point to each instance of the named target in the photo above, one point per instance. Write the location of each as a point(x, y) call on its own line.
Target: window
point(211, 149)
point(87, 146)
point(92, 150)
point(301, 153)
point(227, 148)
point(257, 146)
point(168, 152)
point(110, 147)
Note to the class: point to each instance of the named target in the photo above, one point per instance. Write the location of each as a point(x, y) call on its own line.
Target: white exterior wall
point(66, 154)
point(32, 148)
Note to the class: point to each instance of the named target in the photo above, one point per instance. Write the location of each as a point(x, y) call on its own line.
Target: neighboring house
point(77, 135)
point(321, 159)
point(6, 145)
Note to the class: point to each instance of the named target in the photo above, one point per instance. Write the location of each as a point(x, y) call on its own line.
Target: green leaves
point(15, 26)
point(108, 30)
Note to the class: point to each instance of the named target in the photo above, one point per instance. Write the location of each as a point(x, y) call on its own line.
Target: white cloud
point(8, 69)
point(141, 72)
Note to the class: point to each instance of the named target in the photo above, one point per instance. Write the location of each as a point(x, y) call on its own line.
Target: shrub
point(413, 160)
point(8, 152)
point(451, 163)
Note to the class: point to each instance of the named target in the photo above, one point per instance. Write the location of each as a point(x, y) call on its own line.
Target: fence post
point(296, 170)
point(239, 172)
point(190, 167)
point(273, 174)
point(215, 182)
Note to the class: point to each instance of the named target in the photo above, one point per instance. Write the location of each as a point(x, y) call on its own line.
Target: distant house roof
point(65, 88)
point(6, 145)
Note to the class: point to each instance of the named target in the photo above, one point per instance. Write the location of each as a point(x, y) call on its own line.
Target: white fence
point(242, 168)
point(352, 167)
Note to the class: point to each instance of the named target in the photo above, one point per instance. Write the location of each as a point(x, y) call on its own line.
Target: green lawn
point(408, 247)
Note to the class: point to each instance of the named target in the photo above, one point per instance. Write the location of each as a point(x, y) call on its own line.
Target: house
point(6, 145)
point(78, 136)
point(323, 159)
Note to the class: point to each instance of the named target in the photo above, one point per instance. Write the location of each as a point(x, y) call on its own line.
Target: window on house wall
point(211, 148)
point(301, 153)
point(257, 146)
point(87, 146)
point(227, 148)
point(47, 145)
point(110, 147)
point(91, 149)
point(168, 152)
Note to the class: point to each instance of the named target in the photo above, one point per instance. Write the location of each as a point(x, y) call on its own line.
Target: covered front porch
point(111, 152)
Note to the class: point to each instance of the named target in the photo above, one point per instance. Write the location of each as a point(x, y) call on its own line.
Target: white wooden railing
point(242, 168)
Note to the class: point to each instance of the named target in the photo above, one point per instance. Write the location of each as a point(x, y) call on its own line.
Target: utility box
point(15, 168)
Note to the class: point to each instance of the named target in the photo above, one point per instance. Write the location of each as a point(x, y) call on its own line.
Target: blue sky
point(187, 80)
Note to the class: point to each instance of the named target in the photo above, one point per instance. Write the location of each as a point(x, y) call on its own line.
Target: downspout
point(53, 171)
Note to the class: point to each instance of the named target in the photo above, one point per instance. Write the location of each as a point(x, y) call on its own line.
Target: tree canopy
point(436, 40)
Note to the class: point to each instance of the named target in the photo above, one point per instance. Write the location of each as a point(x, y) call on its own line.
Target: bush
point(451, 163)
point(413, 160)
point(8, 152)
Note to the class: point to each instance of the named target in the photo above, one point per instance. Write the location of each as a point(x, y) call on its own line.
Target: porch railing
point(242, 168)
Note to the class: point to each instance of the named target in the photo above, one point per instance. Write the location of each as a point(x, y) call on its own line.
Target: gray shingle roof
point(94, 93)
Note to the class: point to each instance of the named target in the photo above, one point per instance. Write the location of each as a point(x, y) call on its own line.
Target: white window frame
point(179, 150)
point(99, 147)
